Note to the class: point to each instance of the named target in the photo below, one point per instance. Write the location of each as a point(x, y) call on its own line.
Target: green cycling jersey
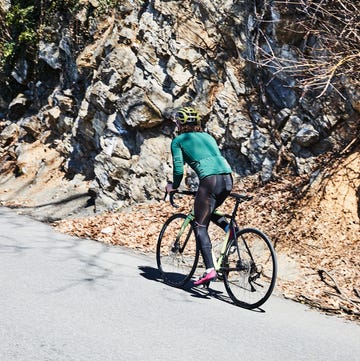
point(200, 151)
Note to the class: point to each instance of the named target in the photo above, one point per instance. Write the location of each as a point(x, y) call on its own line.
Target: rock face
point(103, 104)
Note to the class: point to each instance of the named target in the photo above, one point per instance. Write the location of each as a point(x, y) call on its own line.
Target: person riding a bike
point(200, 151)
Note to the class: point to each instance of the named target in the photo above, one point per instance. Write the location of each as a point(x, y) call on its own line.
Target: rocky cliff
point(88, 101)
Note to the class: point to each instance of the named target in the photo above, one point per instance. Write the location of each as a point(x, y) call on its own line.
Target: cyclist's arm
point(178, 164)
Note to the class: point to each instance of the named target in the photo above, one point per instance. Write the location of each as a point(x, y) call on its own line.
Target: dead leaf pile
point(136, 228)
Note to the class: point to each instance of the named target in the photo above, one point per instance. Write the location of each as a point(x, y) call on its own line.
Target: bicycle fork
point(176, 246)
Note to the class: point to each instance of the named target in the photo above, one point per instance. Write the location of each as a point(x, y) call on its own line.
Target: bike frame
point(217, 260)
point(189, 218)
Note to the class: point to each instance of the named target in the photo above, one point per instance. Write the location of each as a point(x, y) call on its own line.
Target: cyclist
point(199, 150)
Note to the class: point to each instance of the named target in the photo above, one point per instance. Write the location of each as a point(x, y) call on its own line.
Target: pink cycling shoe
point(206, 277)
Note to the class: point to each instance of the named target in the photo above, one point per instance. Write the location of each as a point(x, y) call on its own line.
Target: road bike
point(245, 260)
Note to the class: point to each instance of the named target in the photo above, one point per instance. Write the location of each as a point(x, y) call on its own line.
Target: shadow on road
point(153, 274)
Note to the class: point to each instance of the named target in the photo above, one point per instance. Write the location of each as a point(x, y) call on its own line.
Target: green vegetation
point(106, 5)
point(20, 23)
point(7, 50)
point(28, 21)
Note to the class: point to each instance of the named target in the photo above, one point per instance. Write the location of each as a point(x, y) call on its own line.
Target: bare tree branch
point(329, 50)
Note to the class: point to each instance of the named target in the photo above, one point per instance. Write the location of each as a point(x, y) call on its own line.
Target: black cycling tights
point(212, 192)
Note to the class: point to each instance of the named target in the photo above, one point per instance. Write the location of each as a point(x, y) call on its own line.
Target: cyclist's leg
point(219, 220)
point(212, 192)
point(224, 188)
point(203, 206)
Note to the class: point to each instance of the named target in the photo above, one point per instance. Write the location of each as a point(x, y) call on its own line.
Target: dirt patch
point(324, 236)
point(34, 183)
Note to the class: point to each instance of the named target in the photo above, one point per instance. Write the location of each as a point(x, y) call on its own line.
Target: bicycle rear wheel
point(250, 268)
point(177, 252)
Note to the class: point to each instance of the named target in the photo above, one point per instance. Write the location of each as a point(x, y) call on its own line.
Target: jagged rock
point(49, 52)
point(102, 98)
point(117, 67)
point(141, 109)
point(114, 146)
point(65, 102)
point(9, 135)
point(255, 148)
point(280, 92)
point(304, 161)
point(281, 117)
point(307, 135)
point(234, 79)
point(179, 75)
point(18, 106)
point(20, 71)
point(52, 116)
point(32, 126)
point(266, 169)
point(70, 73)
point(291, 127)
point(325, 122)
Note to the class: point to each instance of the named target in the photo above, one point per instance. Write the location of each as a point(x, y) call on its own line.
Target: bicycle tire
point(177, 252)
point(250, 268)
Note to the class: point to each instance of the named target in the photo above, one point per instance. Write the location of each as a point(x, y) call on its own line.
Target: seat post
point(235, 208)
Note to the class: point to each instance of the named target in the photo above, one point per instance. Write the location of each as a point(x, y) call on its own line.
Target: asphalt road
point(65, 299)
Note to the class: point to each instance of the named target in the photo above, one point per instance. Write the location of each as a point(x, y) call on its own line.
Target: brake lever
point(171, 196)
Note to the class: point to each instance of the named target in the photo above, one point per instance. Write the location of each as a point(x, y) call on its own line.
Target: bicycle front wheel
point(250, 268)
point(177, 252)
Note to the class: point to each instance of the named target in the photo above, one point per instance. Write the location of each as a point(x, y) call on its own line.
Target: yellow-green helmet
point(187, 116)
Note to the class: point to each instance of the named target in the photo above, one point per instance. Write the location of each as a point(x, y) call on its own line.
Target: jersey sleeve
point(178, 163)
